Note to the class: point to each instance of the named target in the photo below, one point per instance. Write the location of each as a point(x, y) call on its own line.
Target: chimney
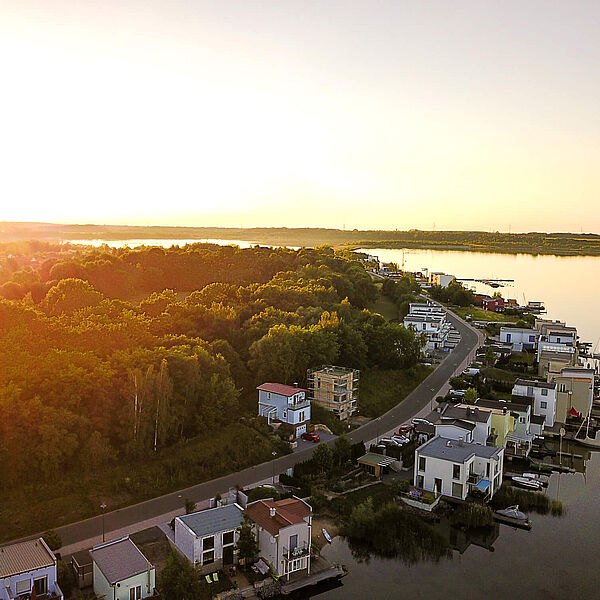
point(295, 384)
point(272, 511)
point(460, 442)
point(449, 444)
point(468, 412)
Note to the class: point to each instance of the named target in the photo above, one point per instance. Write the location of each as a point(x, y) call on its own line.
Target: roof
point(120, 560)
point(214, 520)
point(280, 388)
point(287, 512)
point(376, 460)
point(502, 405)
point(24, 557)
point(538, 384)
point(82, 557)
point(457, 423)
point(538, 419)
point(456, 451)
point(467, 413)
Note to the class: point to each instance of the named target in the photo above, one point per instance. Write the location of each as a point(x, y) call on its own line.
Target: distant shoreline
point(558, 244)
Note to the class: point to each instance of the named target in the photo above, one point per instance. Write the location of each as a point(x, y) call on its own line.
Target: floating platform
point(334, 572)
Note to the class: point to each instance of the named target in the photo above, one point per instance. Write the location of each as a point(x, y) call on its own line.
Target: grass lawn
point(384, 306)
point(479, 314)
point(381, 389)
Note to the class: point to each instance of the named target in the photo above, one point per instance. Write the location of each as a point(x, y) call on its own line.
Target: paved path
point(84, 534)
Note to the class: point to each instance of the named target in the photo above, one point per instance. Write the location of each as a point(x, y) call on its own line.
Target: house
point(122, 572)
point(28, 568)
point(441, 279)
point(519, 440)
point(494, 304)
point(208, 537)
point(283, 531)
point(543, 397)
point(520, 338)
point(376, 464)
point(284, 403)
point(574, 392)
point(557, 332)
point(81, 563)
point(335, 389)
point(553, 359)
point(456, 419)
point(430, 319)
point(457, 468)
point(502, 422)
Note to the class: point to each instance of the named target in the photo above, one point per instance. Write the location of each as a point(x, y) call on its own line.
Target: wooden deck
point(314, 578)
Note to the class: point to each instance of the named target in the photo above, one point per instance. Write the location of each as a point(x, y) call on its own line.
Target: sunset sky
point(453, 115)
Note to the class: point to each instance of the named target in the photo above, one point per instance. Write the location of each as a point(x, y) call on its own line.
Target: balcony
point(296, 553)
point(474, 478)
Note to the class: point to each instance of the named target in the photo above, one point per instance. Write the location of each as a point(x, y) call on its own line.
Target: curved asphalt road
point(403, 412)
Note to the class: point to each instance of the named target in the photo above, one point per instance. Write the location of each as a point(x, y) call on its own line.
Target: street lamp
point(103, 507)
point(273, 454)
point(377, 421)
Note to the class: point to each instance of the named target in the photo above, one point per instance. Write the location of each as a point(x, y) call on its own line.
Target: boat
point(326, 535)
point(513, 512)
point(526, 482)
point(535, 477)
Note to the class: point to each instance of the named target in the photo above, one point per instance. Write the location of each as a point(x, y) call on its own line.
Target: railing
point(297, 552)
point(474, 478)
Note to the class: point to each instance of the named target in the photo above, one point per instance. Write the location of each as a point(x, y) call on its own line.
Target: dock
point(333, 572)
point(498, 518)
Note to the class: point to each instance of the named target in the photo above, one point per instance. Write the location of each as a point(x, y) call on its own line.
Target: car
point(421, 421)
point(311, 436)
point(406, 429)
point(458, 393)
point(400, 439)
point(471, 371)
point(389, 442)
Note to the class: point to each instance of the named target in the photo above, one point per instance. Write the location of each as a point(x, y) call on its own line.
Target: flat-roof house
point(453, 419)
point(208, 537)
point(283, 531)
point(521, 339)
point(122, 572)
point(285, 403)
point(574, 391)
point(456, 468)
point(543, 397)
point(335, 389)
point(27, 568)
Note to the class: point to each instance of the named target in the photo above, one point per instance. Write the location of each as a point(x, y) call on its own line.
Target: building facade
point(284, 403)
point(542, 395)
point(520, 339)
point(335, 389)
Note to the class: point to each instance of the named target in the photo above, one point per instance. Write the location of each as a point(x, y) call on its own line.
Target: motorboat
point(526, 482)
point(513, 512)
point(536, 477)
point(326, 535)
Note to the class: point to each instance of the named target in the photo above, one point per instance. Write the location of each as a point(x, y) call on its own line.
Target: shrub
point(53, 540)
point(472, 515)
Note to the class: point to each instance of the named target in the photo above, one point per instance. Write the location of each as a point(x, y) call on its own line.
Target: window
point(24, 586)
point(285, 414)
point(457, 489)
point(455, 471)
point(227, 538)
point(421, 463)
point(41, 585)
point(508, 337)
point(208, 543)
point(543, 404)
point(293, 541)
point(487, 470)
point(135, 593)
point(544, 392)
point(532, 338)
point(420, 481)
point(529, 391)
point(208, 557)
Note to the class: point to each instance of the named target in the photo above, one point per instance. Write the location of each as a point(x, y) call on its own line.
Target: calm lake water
point(558, 558)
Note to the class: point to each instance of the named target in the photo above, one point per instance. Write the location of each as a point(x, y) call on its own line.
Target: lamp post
point(377, 421)
point(103, 507)
point(273, 454)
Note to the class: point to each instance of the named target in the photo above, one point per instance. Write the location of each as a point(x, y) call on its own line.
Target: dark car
point(311, 437)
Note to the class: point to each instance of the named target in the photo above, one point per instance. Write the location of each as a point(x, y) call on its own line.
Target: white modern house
point(285, 403)
point(541, 394)
point(454, 418)
point(457, 468)
point(430, 319)
point(283, 531)
point(440, 278)
point(520, 338)
point(122, 572)
point(208, 537)
point(27, 568)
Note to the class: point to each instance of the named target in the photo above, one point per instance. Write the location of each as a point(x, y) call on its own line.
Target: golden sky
point(453, 115)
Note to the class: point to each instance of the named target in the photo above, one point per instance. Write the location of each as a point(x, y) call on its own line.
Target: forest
point(138, 367)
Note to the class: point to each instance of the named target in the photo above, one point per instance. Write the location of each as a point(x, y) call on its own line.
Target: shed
point(375, 463)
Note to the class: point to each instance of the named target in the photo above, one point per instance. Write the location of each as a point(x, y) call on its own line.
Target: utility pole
point(103, 507)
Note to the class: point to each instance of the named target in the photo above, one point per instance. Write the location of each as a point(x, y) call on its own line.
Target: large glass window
point(208, 557)
point(457, 490)
point(40, 585)
point(421, 463)
point(455, 471)
point(227, 538)
point(208, 542)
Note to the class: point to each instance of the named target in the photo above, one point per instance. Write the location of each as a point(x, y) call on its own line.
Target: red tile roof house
point(285, 403)
point(283, 529)
point(494, 304)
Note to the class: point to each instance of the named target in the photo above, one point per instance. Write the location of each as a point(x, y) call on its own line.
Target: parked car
point(406, 429)
point(389, 442)
point(458, 393)
point(419, 421)
point(311, 436)
point(471, 371)
point(400, 439)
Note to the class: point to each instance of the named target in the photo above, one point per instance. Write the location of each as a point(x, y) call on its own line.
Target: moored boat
point(513, 512)
point(526, 482)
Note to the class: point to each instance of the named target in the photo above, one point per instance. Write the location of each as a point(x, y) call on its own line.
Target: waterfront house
point(335, 389)
point(431, 320)
point(552, 359)
point(441, 279)
point(284, 403)
point(542, 395)
point(28, 569)
point(574, 392)
point(520, 338)
point(208, 537)
point(122, 572)
point(454, 419)
point(502, 422)
point(283, 531)
point(457, 468)
point(493, 304)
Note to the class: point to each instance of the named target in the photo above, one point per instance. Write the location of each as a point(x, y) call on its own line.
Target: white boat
point(326, 535)
point(525, 482)
point(513, 512)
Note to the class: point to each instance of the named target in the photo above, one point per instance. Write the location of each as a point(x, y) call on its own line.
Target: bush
point(262, 492)
point(508, 495)
point(472, 516)
point(66, 577)
point(53, 540)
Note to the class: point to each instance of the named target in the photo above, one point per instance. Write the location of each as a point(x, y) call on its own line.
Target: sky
point(376, 114)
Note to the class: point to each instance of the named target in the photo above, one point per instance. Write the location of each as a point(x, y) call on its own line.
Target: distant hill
point(478, 241)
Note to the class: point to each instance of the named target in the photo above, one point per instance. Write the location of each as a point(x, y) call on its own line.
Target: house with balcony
point(458, 469)
point(28, 570)
point(431, 320)
point(122, 572)
point(521, 339)
point(208, 537)
point(574, 392)
point(541, 395)
point(286, 404)
point(283, 531)
point(456, 421)
point(335, 389)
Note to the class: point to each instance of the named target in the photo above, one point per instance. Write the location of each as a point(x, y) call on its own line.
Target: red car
point(405, 429)
point(311, 437)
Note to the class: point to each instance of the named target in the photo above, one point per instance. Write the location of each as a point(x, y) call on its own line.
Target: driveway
point(305, 445)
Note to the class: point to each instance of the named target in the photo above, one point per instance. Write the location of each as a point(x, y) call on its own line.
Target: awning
point(483, 485)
